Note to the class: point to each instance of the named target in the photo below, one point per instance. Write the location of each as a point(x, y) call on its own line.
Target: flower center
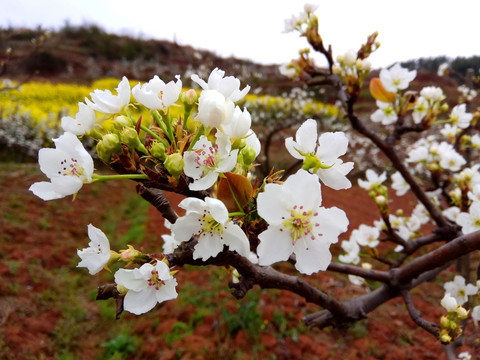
point(206, 157)
point(155, 281)
point(300, 224)
point(461, 293)
point(71, 167)
point(208, 225)
point(476, 222)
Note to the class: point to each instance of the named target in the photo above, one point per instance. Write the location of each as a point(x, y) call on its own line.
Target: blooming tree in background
point(201, 145)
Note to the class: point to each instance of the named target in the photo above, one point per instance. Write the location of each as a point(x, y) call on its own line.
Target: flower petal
point(208, 246)
point(140, 302)
point(236, 239)
point(275, 245)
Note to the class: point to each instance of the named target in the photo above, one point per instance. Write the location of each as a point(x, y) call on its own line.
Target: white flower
point(156, 95)
point(459, 290)
point(214, 109)
point(298, 223)
point(443, 69)
point(206, 161)
point(96, 256)
point(451, 213)
point(420, 110)
point(474, 194)
point(460, 117)
point(229, 86)
point(208, 220)
point(324, 158)
point(418, 153)
point(288, 71)
point(386, 114)
point(105, 102)
point(476, 313)
point(81, 123)
point(68, 167)
point(464, 356)
point(432, 94)
point(475, 140)
point(372, 180)
point(169, 241)
point(239, 124)
point(399, 184)
point(396, 78)
point(352, 251)
point(450, 132)
point(252, 140)
point(449, 303)
point(366, 236)
point(470, 221)
point(147, 286)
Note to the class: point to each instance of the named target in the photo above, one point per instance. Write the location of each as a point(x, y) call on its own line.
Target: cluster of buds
point(450, 327)
point(352, 69)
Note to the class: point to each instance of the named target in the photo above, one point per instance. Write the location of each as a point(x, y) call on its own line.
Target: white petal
point(306, 136)
point(236, 239)
point(275, 245)
point(132, 279)
point(217, 209)
point(185, 227)
point(332, 222)
point(331, 146)
point(167, 291)
point(208, 246)
point(140, 302)
point(205, 182)
point(311, 257)
point(193, 205)
point(304, 189)
point(270, 204)
point(45, 191)
point(335, 178)
point(292, 147)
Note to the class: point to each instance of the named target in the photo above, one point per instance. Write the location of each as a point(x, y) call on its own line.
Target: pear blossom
point(432, 94)
point(208, 221)
point(474, 194)
point(399, 184)
point(373, 180)
point(105, 102)
point(476, 313)
point(298, 223)
point(206, 161)
point(449, 158)
point(253, 141)
point(443, 69)
point(322, 155)
point(214, 109)
point(467, 93)
point(396, 78)
point(420, 110)
point(68, 167)
point(460, 117)
point(81, 123)
point(147, 286)
point(228, 86)
point(239, 124)
point(352, 251)
point(449, 303)
point(451, 213)
point(169, 241)
point(386, 114)
point(96, 256)
point(465, 355)
point(366, 236)
point(475, 140)
point(450, 132)
point(459, 290)
point(470, 221)
point(157, 95)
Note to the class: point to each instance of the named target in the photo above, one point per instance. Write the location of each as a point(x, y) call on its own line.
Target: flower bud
point(130, 137)
point(158, 150)
point(445, 338)
point(462, 313)
point(444, 322)
point(109, 145)
point(189, 97)
point(337, 70)
point(122, 290)
point(174, 165)
point(121, 122)
point(249, 155)
point(239, 143)
point(380, 200)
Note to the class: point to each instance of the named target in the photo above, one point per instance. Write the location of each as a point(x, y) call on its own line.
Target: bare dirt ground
point(48, 311)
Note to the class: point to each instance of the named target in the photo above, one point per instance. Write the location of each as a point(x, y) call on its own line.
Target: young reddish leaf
point(378, 91)
point(234, 189)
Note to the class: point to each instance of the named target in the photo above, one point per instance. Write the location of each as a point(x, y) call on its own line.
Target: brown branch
point(376, 275)
point(159, 201)
point(415, 315)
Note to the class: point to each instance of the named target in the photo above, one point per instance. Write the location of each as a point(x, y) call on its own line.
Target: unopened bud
point(130, 137)
point(337, 70)
point(121, 122)
point(109, 145)
point(158, 150)
point(444, 107)
point(174, 165)
point(462, 313)
point(189, 97)
point(249, 155)
point(380, 200)
point(444, 322)
point(445, 338)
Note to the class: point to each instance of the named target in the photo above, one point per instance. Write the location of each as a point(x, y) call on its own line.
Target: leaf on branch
point(379, 92)
point(234, 191)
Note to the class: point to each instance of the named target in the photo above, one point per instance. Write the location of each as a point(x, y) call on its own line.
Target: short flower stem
point(232, 214)
point(99, 178)
point(161, 124)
